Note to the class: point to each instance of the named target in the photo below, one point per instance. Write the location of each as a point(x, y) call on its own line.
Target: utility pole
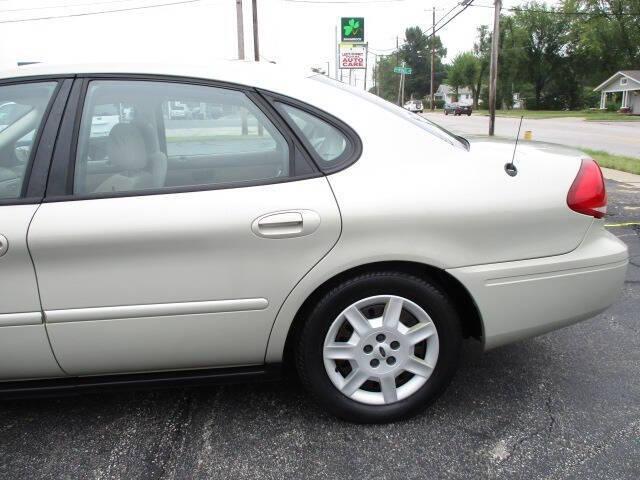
point(366, 66)
point(433, 57)
point(256, 46)
point(240, 29)
point(336, 53)
point(493, 73)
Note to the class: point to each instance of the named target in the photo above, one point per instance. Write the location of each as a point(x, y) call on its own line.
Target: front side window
point(327, 141)
point(22, 109)
point(139, 135)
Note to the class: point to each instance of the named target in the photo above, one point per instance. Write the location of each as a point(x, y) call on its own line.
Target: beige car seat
point(138, 169)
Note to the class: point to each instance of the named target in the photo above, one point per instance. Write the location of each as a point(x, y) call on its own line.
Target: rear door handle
point(293, 223)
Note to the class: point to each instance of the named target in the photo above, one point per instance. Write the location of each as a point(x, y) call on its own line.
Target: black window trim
point(349, 157)
point(60, 184)
point(35, 175)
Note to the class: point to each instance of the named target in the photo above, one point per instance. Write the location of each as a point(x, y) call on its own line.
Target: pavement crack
point(546, 429)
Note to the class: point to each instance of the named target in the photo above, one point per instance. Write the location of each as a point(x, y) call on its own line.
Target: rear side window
point(327, 141)
point(137, 135)
point(22, 109)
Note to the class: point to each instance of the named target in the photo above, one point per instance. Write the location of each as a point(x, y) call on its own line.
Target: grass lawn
point(586, 114)
point(617, 162)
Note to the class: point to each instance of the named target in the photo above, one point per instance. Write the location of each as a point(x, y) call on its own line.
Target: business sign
point(353, 55)
point(405, 70)
point(352, 29)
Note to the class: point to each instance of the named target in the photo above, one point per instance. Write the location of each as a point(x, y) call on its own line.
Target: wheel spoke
point(360, 324)
point(392, 311)
point(389, 390)
point(339, 351)
point(353, 382)
point(420, 332)
point(418, 367)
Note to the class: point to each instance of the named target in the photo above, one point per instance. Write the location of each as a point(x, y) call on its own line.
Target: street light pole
point(256, 46)
point(493, 74)
point(240, 29)
point(433, 55)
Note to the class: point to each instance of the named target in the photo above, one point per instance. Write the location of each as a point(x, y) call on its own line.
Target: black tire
point(310, 342)
point(446, 112)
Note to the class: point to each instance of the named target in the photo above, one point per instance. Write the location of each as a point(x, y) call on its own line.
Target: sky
point(298, 32)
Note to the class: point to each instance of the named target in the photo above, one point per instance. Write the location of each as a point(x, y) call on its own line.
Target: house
point(447, 93)
point(626, 82)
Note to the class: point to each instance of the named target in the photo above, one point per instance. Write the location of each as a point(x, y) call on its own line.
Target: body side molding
point(155, 310)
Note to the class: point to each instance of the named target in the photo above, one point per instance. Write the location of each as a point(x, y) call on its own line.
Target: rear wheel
point(379, 347)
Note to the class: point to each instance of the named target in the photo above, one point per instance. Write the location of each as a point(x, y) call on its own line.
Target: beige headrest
point(126, 147)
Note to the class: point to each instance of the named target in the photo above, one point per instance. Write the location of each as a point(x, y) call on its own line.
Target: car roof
point(258, 74)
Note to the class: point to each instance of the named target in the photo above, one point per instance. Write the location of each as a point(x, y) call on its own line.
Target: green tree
point(606, 38)
point(482, 51)
point(463, 72)
point(415, 53)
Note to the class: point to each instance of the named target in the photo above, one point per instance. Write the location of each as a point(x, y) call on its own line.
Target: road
point(563, 405)
point(622, 138)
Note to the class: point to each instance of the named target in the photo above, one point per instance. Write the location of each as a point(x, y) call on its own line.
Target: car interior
point(146, 149)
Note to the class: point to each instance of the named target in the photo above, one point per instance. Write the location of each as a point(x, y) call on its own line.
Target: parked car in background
point(414, 106)
point(306, 231)
point(178, 111)
point(457, 109)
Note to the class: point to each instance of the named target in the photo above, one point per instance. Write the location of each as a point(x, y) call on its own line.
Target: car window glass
point(140, 135)
point(418, 120)
point(22, 109)
point(327, 141)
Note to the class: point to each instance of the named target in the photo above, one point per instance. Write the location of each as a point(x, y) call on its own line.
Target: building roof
point(632, 74)
point(257, 74)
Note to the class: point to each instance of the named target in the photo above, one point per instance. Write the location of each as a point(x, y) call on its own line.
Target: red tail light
point(588, 194)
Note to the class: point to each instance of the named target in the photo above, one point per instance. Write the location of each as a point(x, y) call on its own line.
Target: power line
point(337, 2)
point(53, 17)
point(50, 7)
point(466, 5)
point(446, 14)
point(561, 12)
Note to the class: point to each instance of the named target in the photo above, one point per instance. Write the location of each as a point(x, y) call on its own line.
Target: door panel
point(176, 260)
point(24, 348)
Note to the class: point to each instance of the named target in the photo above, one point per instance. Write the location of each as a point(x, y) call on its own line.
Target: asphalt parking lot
point(564, 405)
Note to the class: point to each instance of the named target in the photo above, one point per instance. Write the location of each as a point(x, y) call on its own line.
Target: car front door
point(171, 243)
point(30, 122)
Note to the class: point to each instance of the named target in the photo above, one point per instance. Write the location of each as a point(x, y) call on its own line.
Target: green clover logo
point(352, 28)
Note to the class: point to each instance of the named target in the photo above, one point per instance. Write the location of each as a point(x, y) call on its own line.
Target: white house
point(626, 82)
point(447, 93)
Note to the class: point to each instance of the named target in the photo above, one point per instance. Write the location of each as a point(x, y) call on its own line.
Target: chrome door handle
point(4, 245)
point(293, 223)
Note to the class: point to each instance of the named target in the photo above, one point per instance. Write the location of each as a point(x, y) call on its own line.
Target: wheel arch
point(462, 300)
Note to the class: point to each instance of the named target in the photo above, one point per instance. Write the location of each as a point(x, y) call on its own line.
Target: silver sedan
point(303, 224)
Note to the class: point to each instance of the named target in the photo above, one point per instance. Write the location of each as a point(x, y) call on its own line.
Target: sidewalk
point(619, 176)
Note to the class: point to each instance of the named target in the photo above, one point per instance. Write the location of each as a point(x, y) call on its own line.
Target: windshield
point(416, 119)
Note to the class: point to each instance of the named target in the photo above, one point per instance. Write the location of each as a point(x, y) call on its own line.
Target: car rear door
point(26, 141)
point(174, 246)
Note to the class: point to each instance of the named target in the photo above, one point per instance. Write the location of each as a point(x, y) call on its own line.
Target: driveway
point(622, 138)
point(563, 405)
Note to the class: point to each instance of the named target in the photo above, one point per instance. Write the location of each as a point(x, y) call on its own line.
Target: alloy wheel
point(381, 349)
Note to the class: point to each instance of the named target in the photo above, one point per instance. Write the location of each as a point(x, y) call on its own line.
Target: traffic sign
point(405, 70)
